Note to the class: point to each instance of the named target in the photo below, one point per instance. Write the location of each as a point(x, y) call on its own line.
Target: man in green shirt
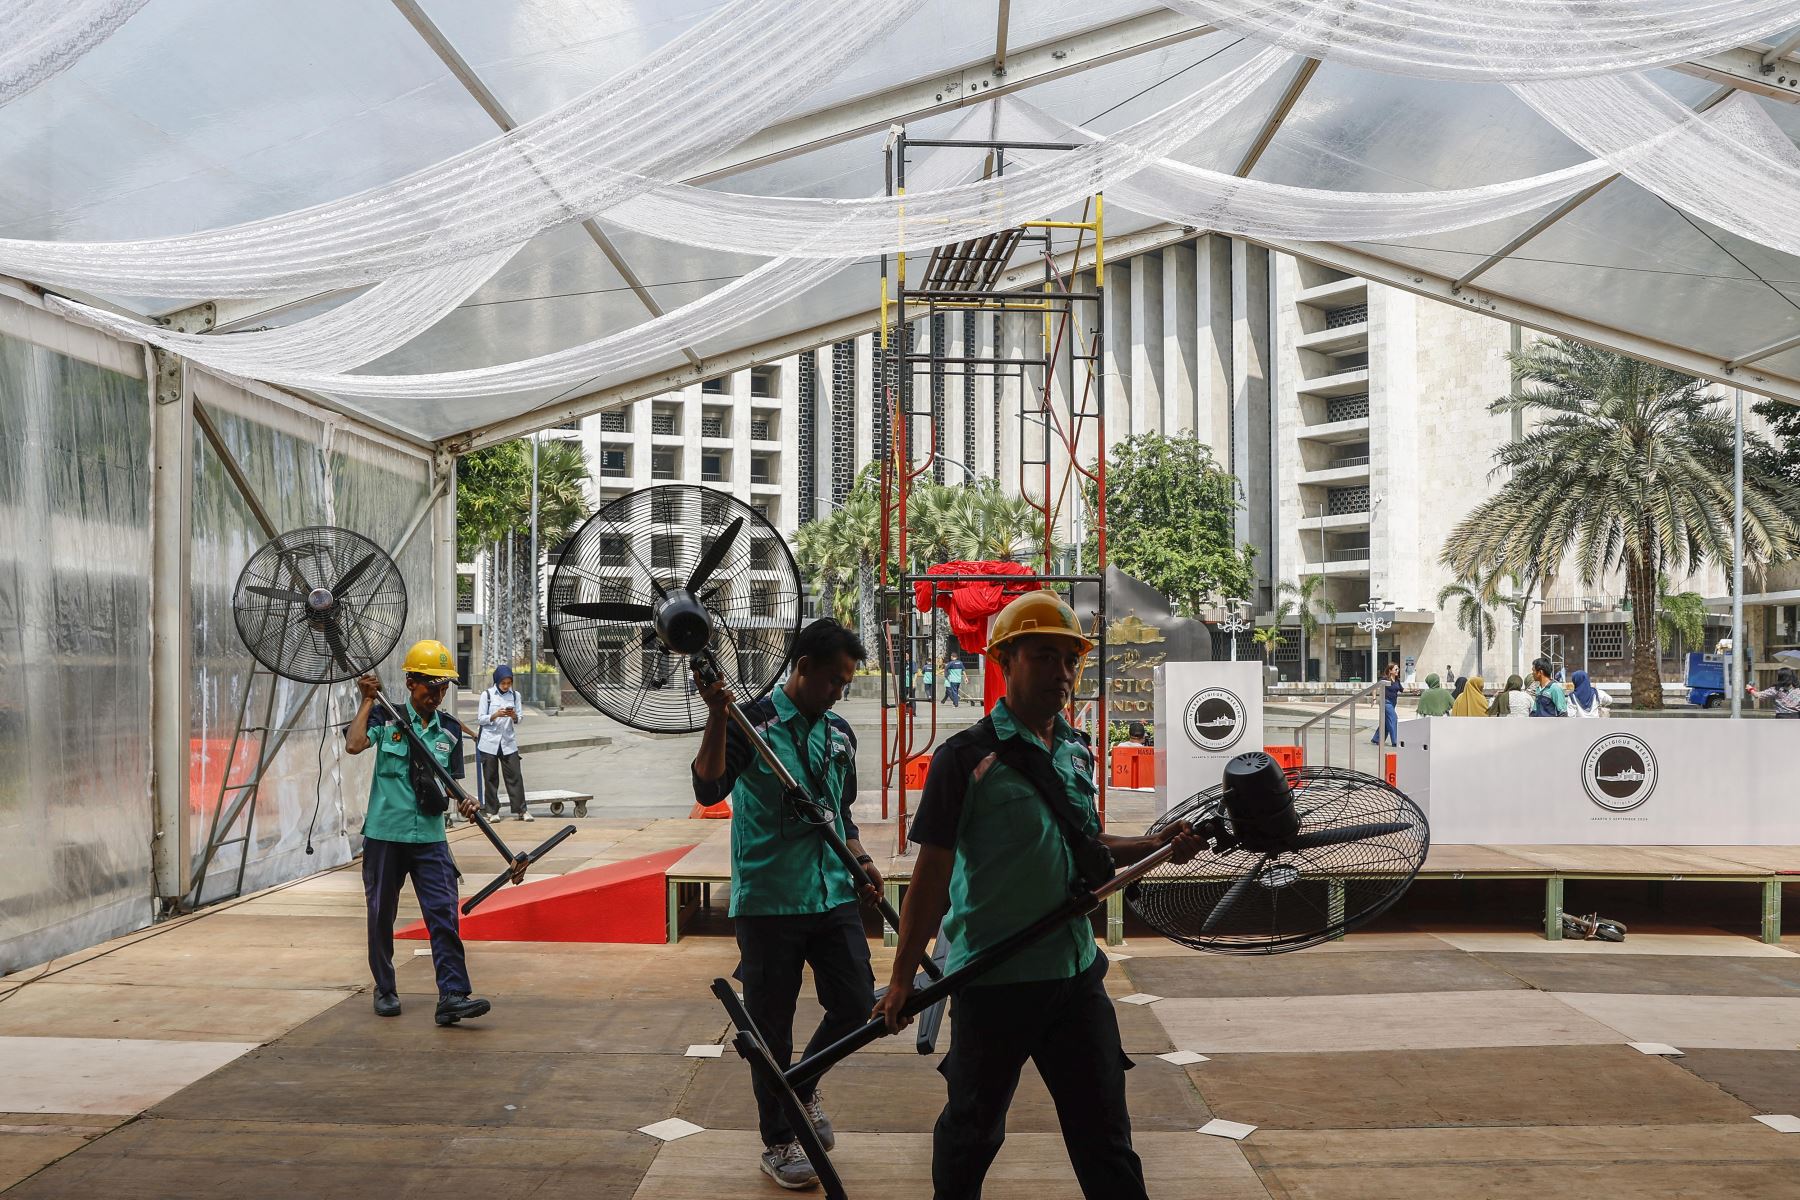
point(994, 857)
point(403, 832)
point(793, 903)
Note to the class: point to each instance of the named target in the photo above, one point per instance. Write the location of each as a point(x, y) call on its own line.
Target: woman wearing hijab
point(1514, 701)
point(1470, 702)
point(1435, 701)
point(1586, 700)
point(1462, 681)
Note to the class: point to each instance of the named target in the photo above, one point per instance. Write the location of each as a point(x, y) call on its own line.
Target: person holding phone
point(497, 746)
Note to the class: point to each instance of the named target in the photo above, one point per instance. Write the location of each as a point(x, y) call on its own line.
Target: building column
point(1180, 340)
point(1146, 347)
point(1250, 401)
point(1117, 359)
point(1212, 340)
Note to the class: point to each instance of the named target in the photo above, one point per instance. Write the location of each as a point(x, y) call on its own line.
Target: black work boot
point(387, 1004)
point(452, 1009)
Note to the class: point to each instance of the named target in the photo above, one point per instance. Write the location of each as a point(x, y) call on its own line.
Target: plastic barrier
point(1133, 767)
point(1288, 758)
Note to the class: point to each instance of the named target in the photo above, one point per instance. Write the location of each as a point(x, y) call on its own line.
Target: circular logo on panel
point(1619, 772)
point(1214, 719)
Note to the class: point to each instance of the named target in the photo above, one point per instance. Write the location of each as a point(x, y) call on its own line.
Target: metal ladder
point(238, 800)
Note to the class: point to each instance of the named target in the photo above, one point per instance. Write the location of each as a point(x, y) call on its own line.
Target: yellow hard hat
point(430, 657)
point(1037, 612)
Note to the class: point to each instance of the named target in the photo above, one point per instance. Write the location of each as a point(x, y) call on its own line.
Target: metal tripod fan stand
point(1341, 847)
point(323, 605)
point(678, 573)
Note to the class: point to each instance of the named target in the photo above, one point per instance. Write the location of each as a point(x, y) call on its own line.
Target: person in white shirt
point(497, 747)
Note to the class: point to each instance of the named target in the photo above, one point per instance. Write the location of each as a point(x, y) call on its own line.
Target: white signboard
point(1207, 713)
point(1645, 781)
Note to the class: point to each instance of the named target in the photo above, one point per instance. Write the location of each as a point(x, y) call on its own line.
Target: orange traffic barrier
point(718, 812)
point(917, 767)
point(1133, 766)
point(1393, 772)
point(1288, 758)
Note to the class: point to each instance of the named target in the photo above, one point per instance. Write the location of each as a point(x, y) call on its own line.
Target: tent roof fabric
point(196, 115)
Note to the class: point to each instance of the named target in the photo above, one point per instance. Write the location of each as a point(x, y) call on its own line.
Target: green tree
point(1171, 516)
point(1475, 597)
point(1311, 601)
point(1680, 618)
point(493, 512)
point(1628, 468)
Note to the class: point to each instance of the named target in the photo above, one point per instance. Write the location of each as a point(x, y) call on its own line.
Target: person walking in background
point(1471, 701)
point(1514, 701)
point(953, 677)
point(929, 680)
point(1390, 716)
point(497, 745)
point(1551, 700)
point(1785, 694)
point(1436, 700)
point(1586, 700)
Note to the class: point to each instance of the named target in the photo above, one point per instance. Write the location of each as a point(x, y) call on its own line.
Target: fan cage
point(1300, 897)
point(656, 537)
point(369, 617)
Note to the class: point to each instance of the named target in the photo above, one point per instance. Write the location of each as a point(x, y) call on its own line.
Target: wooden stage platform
point(1767, 868)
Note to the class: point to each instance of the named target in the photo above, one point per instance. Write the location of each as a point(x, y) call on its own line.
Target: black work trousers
point(492, 767)
point(386, 866)
point(1067, 1027)
point(775, 950)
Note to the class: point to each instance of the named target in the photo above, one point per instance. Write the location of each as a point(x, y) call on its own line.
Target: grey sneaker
point(815, 1112)
point(787, 1166)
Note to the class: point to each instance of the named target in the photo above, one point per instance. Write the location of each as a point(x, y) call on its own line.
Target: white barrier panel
point(1624, 781)
point(1206, 714)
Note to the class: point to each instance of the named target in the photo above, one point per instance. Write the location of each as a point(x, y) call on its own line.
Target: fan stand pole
point(517, 863)
point(786, 1083)
point(709, 670)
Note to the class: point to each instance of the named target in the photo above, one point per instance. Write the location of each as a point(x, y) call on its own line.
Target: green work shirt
point(779, 865)
point(394, 814)
point(1013, 863)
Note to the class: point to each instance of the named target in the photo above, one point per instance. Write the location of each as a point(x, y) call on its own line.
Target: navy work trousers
point(1068, 1028)
point(775, 950)
point(386, 865)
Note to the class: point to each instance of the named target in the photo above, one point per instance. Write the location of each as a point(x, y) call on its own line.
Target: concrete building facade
point(1356, 417)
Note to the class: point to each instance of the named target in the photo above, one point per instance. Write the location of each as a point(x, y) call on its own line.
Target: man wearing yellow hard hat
point(403, 832)
point(1006, 826)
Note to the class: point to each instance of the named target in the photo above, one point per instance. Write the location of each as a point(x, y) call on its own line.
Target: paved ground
point(233, 1054)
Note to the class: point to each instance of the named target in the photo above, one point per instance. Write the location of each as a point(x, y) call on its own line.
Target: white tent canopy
point(188, 116)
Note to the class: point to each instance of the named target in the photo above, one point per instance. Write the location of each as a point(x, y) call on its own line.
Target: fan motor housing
point(682, 624)
point(1260, 802)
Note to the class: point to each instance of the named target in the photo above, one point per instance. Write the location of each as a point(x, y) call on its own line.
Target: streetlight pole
point(537, 692)
point(1234, 623)
point(1737, 560)
point(1373, 624)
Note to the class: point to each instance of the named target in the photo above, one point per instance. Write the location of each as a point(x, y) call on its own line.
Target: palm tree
point(1309, 595)
point(1628, 468)
point(1269, 636)
point(1474, 597)
point(1680, 618)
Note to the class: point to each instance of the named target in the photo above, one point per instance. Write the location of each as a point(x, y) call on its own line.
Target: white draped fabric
point(1500, 40)
point(40, 39)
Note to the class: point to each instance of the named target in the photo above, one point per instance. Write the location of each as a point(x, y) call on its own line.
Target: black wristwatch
point(864, 860)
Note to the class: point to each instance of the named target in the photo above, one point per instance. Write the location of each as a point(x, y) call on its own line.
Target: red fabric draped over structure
point(970, 604)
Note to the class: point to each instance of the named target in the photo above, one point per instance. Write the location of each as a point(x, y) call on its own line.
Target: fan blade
point(1232, 895)
point(353, 574)
point(277, 594)
point(608, 610)
point(715, 554)
point(1349, 833)
point(334, 637)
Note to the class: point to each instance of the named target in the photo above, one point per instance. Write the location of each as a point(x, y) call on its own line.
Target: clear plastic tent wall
point(75, 819)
